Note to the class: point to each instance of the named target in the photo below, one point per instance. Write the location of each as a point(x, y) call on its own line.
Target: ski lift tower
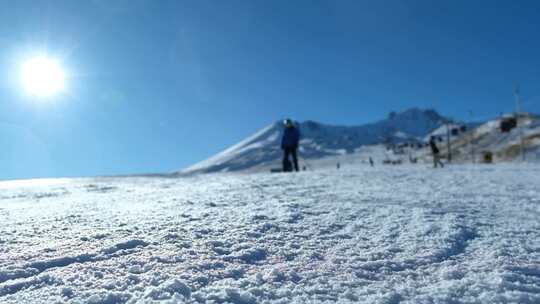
point(471, 140)
point(448, 141)
point(520, 128)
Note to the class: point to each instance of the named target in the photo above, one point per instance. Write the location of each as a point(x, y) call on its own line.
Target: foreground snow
point(382, 235)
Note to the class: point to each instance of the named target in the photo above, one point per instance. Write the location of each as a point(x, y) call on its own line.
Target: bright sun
point(42, 77)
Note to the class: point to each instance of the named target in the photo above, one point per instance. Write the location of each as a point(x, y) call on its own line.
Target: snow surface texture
point(371, 235)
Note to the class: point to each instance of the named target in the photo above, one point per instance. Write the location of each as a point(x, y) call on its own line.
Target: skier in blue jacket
point(289, 144)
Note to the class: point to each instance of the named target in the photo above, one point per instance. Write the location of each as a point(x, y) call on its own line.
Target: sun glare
point(42, 77)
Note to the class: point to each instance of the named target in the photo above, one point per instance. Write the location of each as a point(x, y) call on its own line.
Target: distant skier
point(371, 161)
point(435, 151)
point(289, 144)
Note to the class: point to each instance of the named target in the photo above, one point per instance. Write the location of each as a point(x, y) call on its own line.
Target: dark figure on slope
point(435, 151)
point(289, 144)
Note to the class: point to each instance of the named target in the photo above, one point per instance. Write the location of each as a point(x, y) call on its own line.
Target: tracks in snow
point(33, 269)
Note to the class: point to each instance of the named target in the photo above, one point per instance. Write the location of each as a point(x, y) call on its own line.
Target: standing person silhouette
point(435, 152)
point(289, 145)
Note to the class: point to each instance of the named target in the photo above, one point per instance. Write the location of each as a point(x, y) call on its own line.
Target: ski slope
point(261, 151)
point(395, 234)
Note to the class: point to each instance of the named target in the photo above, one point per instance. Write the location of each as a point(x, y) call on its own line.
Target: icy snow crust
point(381, 235)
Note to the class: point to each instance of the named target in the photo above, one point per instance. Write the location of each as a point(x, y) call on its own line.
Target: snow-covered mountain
point(262, 149)
point(488, 138)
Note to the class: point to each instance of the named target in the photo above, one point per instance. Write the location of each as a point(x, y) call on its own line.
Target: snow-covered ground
point(393, 234)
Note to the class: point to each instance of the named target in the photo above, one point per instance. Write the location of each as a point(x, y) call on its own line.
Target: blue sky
point(154, 86)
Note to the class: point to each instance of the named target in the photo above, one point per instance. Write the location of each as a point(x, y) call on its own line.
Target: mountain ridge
point(320, 140)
